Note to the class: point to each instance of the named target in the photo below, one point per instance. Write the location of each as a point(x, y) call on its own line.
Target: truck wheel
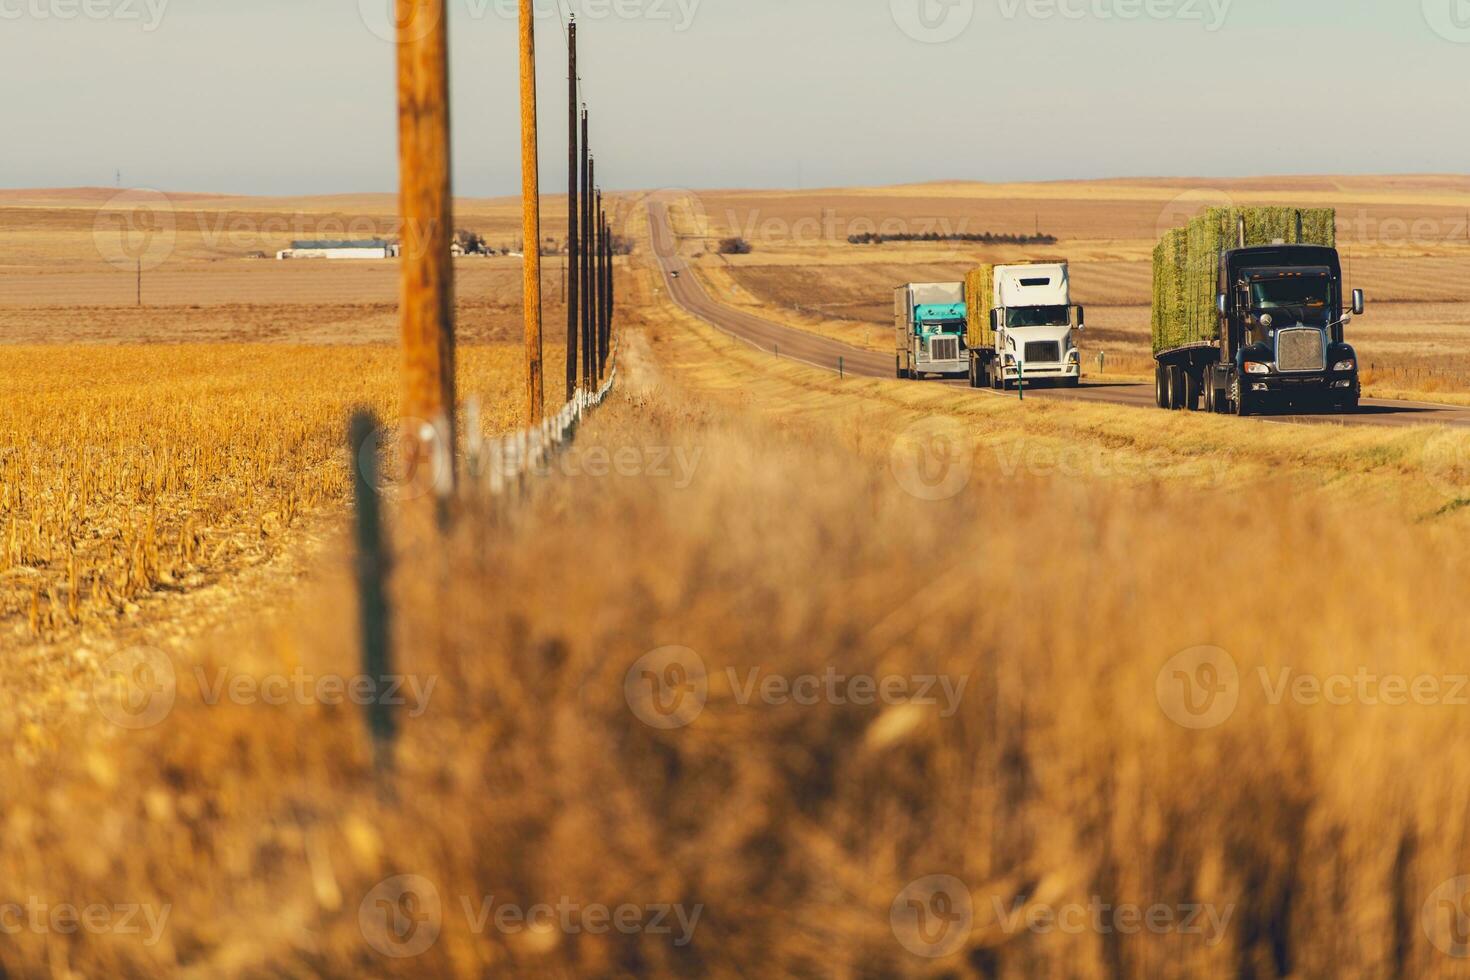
point(1193, 389)
point(1174, 385)
point(1161, 386)
point(898, 368)
point(1209, 393)
point(1241, 404)
point(1219, 396)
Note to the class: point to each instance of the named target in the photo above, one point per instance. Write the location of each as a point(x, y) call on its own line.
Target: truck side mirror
point(995, 319)
point(1220, 303)
point(1359, 302)
point(1081, 318)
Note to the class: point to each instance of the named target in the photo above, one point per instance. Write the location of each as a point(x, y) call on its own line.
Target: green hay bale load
point(1187, 262)
point(979, 301)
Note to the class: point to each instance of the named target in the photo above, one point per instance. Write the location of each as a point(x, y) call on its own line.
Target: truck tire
point(1240, 403)
point(1193, 389)
point(1161, 386)
point(1175, 386)
point(898, 368)
point(1219, 393)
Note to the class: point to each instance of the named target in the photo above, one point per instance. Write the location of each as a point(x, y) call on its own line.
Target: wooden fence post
point(371, 566)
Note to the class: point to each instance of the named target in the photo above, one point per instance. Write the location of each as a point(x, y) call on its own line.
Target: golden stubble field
point(1406, 241)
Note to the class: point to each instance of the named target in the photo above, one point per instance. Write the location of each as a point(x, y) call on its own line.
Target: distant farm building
point(369, 249)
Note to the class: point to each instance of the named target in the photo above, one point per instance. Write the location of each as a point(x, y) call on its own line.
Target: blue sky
point(296, 96)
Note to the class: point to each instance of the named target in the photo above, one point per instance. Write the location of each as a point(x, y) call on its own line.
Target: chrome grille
point(944, 348)
point(1301, 349)
point(1043, 352)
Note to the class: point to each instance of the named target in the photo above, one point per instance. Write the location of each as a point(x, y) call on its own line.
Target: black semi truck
point(1257, 327)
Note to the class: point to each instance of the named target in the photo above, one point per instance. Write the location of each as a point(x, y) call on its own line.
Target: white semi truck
point(929, 329)
point(1022, 324)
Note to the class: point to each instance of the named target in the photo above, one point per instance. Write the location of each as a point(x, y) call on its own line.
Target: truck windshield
point(1300, 298)
point(1036, 316)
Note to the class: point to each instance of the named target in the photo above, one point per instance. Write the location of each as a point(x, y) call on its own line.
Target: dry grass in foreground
point(802, 836)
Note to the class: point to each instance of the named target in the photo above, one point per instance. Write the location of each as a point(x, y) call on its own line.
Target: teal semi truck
point(929, 324)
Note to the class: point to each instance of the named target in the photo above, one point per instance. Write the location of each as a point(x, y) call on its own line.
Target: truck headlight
point(1256, 367)
point(1074, 355)
point(1347, 365)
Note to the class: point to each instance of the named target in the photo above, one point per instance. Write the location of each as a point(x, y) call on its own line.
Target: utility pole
point(531, 217)
point(426, 311)
point(574, 180)
point(140, 278)
point(612, 291)
point(606, 270)
point(586, 263)
point(597, 283)
point(611, 267)
point(594, 269)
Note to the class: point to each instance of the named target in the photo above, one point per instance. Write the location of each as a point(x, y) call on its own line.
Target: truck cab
point(929, 322)
point(1035, 325)
point(1282, 317)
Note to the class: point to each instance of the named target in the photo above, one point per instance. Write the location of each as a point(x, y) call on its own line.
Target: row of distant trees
point(984, 238)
